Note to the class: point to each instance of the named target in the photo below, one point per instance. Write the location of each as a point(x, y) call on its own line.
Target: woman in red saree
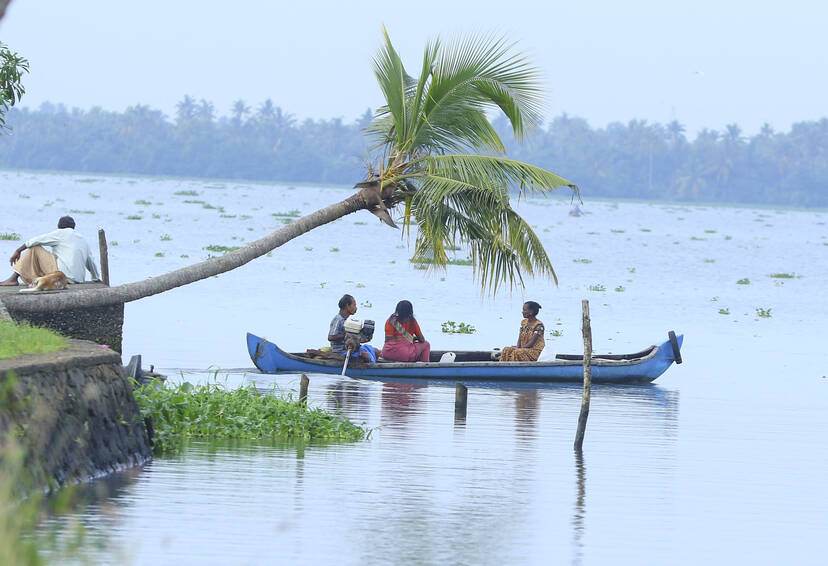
point(404, 341)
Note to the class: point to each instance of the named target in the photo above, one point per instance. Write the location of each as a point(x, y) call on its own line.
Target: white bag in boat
point(448, 357)
point(547, 355)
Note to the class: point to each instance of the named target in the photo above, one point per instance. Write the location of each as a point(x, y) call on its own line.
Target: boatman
point(70, 254)
point(336, 333)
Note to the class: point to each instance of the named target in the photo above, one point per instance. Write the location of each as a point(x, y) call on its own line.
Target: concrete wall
point(74, 412)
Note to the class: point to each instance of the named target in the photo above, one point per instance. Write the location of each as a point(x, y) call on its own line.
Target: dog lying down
point(49, 282)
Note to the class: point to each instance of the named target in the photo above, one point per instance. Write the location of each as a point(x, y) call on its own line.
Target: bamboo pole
point(303, 389)
point(104, 256)
point(586, 329)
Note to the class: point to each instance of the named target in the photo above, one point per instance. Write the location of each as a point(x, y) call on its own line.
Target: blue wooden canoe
point(640, 367)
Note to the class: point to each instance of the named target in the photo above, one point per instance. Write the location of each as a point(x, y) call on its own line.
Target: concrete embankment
point(74, 412)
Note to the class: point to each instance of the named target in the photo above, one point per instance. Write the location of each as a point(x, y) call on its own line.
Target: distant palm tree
point(430, 133)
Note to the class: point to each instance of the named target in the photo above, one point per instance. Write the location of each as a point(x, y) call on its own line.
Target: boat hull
point(654, 361)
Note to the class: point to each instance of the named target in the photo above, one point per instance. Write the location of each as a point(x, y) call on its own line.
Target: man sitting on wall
point(70, 254)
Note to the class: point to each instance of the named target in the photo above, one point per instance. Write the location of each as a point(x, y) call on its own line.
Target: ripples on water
point(720, 460)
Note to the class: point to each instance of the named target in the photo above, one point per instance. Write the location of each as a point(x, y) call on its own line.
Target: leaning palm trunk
point(140, 289)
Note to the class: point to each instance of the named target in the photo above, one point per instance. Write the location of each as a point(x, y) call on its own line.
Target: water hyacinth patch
point(450, 327)
point(212, 411)
point(13, 236)
point(744, 281)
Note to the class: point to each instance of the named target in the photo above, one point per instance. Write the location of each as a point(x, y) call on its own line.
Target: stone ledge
point(80, 353)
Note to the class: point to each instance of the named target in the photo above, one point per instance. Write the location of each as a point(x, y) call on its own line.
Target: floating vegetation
point(556, 333)
point(292, 214)
point(184, 256)
point(592, 233)
point(784, 276)
point(631, 269)
point(709, 231)
point(450, 327)
point(166, 237)
point(616, 231)
point(93, 195)
point(76, 211)
point(159, 254)
point(308, 249)
point(88, 180)
point(192, 201)
point(334, 250)
point(227, 215)
point(582, 260)
point(208, 206)
point(724, 311)
point(620, 289)
point(710, 261)
point(186, 193)
point(698, 239)
point(597, 287)
point(212, 411)
point(113, 243)
point(763, 313)
point(744, 281)
point(13, 236)
point(714, 299)
point(425, 262)
point(245, 217)
point(646, 230)
point(728, 237)
point(360, 223)
point(360, 286)
point(134, 217)
point(220, 249)
point(143, 202)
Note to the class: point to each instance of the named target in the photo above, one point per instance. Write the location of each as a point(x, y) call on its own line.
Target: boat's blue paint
point(269, 358)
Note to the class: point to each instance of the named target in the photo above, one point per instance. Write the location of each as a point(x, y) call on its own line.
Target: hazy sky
point(706, 63)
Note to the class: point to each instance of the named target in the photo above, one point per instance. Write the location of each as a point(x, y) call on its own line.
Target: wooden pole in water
point(461, 397)
point(104, 256)
point(582, 418)
point(303, 389)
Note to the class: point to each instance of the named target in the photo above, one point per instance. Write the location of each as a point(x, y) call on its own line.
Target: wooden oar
point(347, 357)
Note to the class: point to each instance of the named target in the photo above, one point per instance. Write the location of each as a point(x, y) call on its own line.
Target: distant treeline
point(632, 160)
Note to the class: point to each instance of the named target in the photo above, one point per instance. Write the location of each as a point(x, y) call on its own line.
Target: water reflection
point(526, 416)
point(579, 515)
point(351, 397)
point(400, 400)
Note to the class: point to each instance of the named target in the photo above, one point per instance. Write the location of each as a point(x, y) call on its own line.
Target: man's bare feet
point(11, 281)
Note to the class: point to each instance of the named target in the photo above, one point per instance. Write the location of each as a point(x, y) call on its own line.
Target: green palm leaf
point(432, 132)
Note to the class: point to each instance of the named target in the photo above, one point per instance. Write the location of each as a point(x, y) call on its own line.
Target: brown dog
point(49, 282)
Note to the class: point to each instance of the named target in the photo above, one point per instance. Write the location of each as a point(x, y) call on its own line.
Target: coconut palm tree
point(12, 68)
point(440, 169)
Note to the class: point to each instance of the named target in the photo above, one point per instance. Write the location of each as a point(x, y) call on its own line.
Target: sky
point(705, 63)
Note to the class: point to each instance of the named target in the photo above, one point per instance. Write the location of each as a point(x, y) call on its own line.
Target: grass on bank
point(180, 411)
point(18, 339)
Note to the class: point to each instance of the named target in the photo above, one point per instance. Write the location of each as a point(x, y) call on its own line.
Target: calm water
point(722, 459)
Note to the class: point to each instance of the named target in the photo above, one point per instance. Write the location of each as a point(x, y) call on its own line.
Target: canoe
point(639, 367)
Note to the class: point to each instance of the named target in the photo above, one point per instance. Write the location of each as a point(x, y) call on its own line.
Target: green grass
point(450, 327)
point(213, 411)
point(18, 339)
point(14, 236)
point(782, 275)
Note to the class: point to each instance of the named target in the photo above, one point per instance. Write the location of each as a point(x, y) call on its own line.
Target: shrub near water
point(212, 411)
point(18, 339)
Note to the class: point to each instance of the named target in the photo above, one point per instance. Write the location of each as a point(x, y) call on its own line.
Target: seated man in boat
point(530, 338)
point(70, 254)
point(336, 333)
